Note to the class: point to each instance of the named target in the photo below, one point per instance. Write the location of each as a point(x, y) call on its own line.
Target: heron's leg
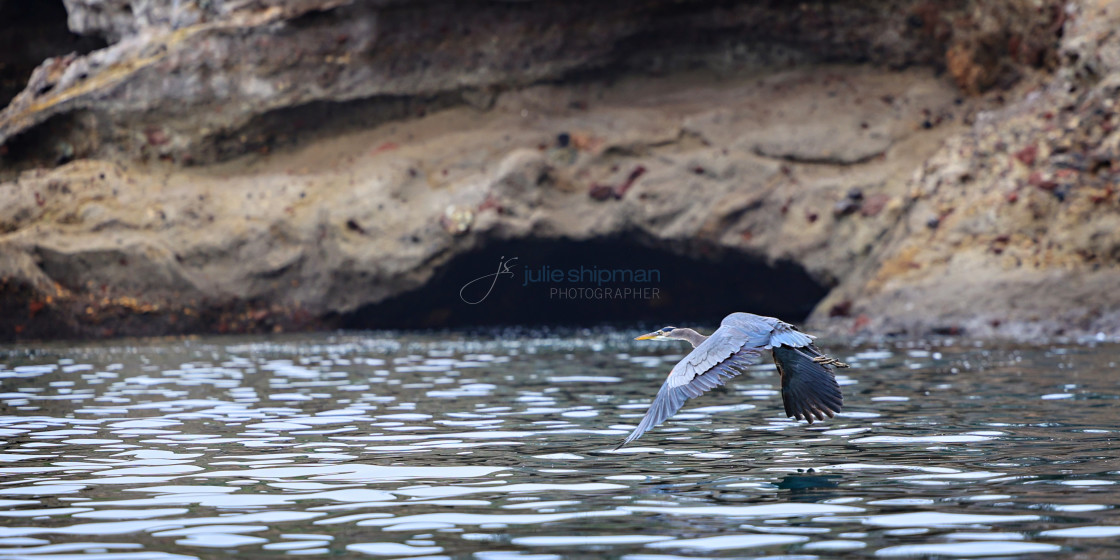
point(830, 361)
point(821, 358)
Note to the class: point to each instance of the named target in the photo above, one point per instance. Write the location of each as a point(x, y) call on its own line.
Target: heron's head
point(664, 333)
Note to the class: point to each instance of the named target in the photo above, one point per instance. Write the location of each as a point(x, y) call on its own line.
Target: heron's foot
point(830, 361)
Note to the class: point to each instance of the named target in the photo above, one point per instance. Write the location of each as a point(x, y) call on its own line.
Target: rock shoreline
point(930, 170)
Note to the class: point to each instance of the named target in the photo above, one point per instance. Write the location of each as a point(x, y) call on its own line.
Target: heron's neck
point(690, 335)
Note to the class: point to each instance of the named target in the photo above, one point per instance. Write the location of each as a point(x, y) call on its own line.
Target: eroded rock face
point(246, 166)
point(116, 19)
point(1012, 228)
point(183, 77)
point(332, 227)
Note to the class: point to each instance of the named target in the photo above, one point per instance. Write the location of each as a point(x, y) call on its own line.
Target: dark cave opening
point(31, 32)
point(608, 281)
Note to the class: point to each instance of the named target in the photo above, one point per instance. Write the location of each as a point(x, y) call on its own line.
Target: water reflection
point(806, 487)
point(496, 448)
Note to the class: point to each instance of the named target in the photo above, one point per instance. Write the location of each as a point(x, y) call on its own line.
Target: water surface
point(500, 448)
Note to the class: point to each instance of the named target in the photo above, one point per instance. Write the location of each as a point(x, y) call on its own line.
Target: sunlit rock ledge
point(235, 167)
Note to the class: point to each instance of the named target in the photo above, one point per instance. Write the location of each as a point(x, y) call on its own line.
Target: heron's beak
point(649, 336)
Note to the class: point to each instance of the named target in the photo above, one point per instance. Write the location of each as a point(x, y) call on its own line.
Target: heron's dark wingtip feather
point(809, 389)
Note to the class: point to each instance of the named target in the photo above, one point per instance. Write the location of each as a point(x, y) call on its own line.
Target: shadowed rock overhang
point(562, 282)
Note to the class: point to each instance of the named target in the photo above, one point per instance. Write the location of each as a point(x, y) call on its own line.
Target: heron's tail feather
point(809, 388)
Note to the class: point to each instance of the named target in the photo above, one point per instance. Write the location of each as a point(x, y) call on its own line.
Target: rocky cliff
point(1013, 226)
point(922, 166)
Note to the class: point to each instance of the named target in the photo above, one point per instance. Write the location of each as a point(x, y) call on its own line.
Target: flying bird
point(809, 389)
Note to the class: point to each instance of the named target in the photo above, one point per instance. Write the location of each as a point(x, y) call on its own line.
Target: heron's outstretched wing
point(809, 388)
point(735, 332)
point(686, 382)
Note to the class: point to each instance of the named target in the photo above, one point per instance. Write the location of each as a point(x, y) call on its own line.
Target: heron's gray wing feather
point(737, 331)
point(785, 334)
point(671, 398)
point(809, 389)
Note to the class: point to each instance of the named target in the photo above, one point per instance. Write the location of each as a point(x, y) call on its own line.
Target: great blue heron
point(809, 389)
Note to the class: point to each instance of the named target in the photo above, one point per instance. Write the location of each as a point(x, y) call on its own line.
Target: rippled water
point(380, 446)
